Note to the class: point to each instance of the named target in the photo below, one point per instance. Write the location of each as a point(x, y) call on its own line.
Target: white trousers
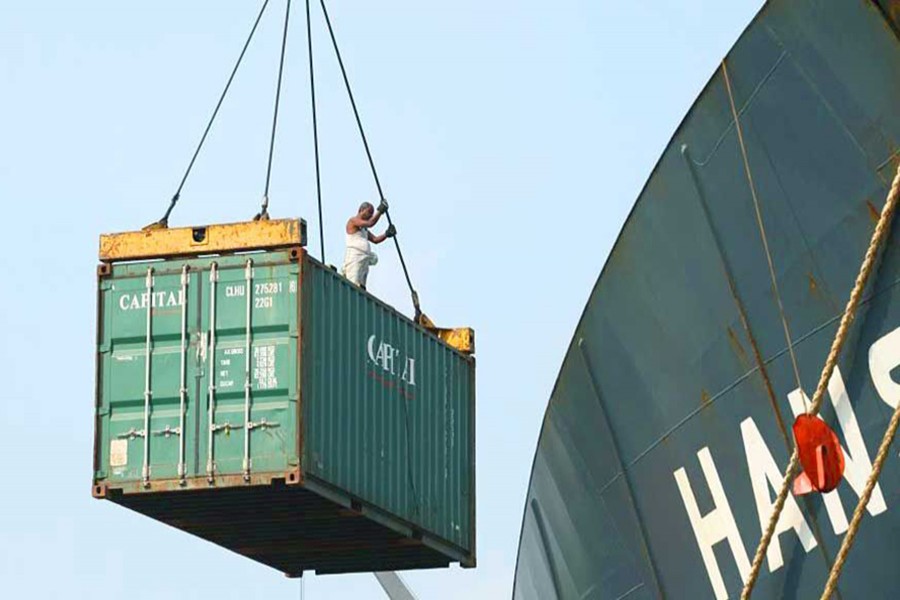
point(356, 265)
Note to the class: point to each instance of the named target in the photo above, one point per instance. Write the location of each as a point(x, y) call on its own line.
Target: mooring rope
point(847, 544)
point(882, 229)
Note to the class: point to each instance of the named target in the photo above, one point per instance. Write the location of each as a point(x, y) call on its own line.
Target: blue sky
point(512, 138)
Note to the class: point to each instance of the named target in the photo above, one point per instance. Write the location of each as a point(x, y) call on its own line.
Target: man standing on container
point(358, 256)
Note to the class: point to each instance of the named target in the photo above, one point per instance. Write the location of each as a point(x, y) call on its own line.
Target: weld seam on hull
point(741, 379)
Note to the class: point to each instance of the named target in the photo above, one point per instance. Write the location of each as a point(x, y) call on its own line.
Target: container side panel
point(387, 409)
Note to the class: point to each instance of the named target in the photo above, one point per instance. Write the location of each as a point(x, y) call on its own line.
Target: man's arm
point(390, 232)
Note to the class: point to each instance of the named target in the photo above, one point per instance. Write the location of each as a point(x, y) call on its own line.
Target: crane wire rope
point(849, 538)
point(264, 211)
point(164, 221)
point(762, 231)
point(362, 133)
point(415, 296)
point(315, 128)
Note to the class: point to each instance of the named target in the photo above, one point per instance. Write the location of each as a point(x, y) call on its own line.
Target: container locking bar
point(168, 431)
point(213, 427)
point(131, 434)
point(182, 392)
point(226, 427)
point(249, 425)
point(211, 372)
point(247, 380)
point(148, 393)
point(262, 424)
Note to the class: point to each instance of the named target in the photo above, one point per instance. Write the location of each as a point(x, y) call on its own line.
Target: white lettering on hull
point(884, 357)
point(716, 526)
point(765, 472)
point(766, 476)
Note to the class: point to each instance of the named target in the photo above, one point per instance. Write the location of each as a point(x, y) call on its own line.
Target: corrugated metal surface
point(211, 356)
point(660, 385)
point(223, 336)
point(388, 409)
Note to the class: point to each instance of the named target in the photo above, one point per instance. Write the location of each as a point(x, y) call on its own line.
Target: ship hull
point(668, 429)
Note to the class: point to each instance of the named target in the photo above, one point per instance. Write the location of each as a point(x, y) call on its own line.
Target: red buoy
point(820, 454)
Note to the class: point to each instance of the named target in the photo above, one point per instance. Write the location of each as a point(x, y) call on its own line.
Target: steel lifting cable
point(879, 236)
point(164, 221)
point(315, 126)
point(264, 211)
point(762, 231)
point(362, 133)
point(415, 296)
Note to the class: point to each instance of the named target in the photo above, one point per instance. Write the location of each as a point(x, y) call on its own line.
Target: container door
point(148, 368)
point(250, 318)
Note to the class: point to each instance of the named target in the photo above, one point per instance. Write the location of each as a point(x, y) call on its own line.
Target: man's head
point(366, 210)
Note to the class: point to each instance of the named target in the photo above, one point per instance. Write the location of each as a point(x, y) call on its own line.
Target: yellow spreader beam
point(210, 239)
point(162, 242)
point(461, 338)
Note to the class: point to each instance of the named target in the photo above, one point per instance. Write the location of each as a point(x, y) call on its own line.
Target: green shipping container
point(262, 402)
